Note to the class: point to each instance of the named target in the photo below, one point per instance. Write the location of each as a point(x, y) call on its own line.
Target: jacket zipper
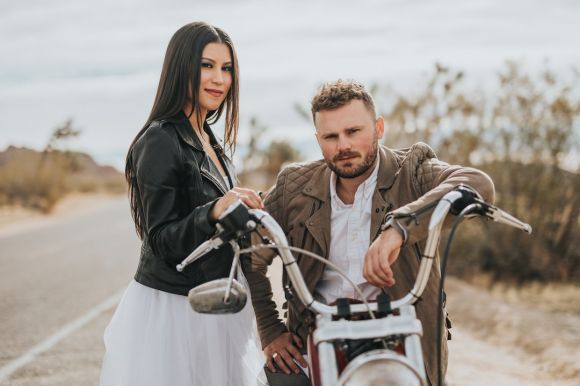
point(417, 251)
point(214, 180)
point(301, 322)
point(304, 233)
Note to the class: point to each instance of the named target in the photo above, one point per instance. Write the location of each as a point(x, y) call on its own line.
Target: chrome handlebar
point(454, 201)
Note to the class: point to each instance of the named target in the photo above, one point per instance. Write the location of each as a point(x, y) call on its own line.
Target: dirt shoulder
point(19, 219)
point(501, 341)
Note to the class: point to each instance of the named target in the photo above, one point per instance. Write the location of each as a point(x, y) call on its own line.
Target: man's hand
point(283, 350)
point(381, 255)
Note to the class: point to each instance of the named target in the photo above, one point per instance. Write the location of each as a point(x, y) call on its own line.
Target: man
point(336, 207)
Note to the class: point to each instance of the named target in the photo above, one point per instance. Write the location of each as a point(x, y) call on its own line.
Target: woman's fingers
point(224, 201)
point(249, 197)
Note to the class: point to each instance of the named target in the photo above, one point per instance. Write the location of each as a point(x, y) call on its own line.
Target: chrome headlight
point(380, 368)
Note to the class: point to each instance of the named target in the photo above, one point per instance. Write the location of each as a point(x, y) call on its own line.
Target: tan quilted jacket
point(300, 202)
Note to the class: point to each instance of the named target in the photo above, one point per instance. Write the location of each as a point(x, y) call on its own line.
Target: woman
point(180, 181)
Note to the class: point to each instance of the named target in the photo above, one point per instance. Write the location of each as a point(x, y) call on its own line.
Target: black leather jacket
point(177, 185)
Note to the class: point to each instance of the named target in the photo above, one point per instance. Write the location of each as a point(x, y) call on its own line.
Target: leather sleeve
point(270, 326)
point(171, 233)
point(433, 178)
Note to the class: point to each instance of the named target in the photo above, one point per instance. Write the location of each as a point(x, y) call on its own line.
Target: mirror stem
point(235, 263)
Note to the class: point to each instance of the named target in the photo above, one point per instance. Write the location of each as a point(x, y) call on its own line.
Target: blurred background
point(488, 83)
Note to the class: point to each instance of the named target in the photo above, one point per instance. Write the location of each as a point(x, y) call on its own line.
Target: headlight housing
point(380, 368)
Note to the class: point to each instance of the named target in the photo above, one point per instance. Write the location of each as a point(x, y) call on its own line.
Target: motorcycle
point(345, 348)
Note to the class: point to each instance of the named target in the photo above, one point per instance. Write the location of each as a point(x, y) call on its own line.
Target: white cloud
point(99, 62)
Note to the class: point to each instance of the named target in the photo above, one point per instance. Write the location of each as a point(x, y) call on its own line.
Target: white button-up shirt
point(350, 238)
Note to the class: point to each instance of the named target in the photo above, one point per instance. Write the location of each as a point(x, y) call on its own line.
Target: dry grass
point(556, 297)
point(37, 181)
point(532, 321)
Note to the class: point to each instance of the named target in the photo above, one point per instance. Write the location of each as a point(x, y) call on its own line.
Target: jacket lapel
point(319, 227)
point(318, 224)
point(225, 161)
point(388, 171)
point(211, 173)
point(208, 171)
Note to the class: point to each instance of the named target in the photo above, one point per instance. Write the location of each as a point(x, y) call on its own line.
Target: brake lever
point(203, 249)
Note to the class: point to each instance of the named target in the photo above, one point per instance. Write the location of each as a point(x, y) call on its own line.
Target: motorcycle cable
point(412, 217)
point(467, 210)
point(319, 258)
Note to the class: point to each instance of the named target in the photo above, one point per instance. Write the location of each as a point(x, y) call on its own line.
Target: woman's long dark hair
point(181, 73)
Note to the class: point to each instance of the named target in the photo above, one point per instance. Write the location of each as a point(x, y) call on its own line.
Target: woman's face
point(215, 77)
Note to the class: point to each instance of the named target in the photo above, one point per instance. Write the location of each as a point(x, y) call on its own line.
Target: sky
point(98, 62)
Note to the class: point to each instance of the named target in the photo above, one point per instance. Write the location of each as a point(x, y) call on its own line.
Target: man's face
point(348, 137)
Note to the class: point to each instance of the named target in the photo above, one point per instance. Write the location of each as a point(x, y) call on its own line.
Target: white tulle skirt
point(156, 339)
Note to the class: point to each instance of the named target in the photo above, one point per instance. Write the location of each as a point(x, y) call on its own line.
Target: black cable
point(410, 217)
point(456, 223)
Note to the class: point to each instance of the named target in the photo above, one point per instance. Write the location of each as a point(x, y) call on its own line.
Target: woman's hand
point(248, 196)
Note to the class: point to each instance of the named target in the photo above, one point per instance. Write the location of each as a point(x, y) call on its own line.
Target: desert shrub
point(261, 165)
point(39, 180)
point(525, 136)
point(34, 180)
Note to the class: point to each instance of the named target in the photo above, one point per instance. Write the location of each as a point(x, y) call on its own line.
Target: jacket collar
point(186, 133)
point(388, 169)
point(319, 185)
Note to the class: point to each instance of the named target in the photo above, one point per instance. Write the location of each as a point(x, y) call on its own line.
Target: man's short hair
point(332, 95)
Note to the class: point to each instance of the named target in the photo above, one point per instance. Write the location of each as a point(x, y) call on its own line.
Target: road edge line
point(7, 370)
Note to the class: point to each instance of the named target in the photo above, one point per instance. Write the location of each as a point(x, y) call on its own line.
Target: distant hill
point(81, 162)
point(39, 179)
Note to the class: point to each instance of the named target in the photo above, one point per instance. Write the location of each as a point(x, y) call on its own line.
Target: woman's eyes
point(224, 68)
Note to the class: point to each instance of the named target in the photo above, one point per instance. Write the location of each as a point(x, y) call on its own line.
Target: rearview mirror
point(208, 298)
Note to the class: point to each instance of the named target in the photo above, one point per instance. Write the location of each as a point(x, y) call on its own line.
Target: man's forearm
point(449, 178)
point(269, 324)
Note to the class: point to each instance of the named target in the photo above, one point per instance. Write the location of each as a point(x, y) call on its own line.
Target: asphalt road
point(58, 290)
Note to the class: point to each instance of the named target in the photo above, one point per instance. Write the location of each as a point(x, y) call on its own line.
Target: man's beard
point(359, 170)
